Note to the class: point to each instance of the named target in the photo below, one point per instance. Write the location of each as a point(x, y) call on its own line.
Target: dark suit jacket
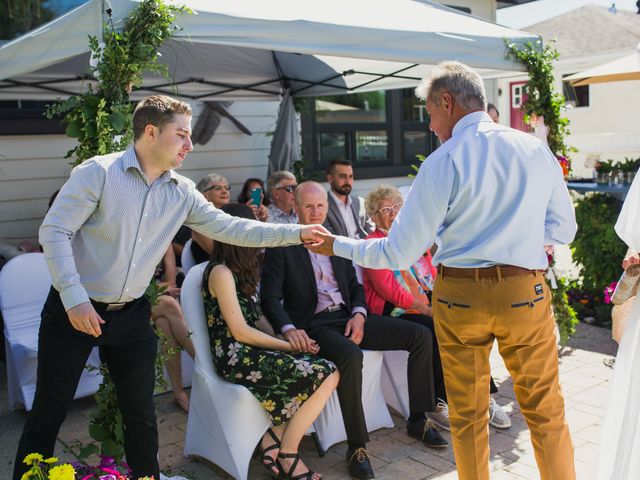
point(335, 224)
point(289, 293)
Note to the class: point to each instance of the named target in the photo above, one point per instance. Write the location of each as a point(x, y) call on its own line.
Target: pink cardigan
point(380, 286)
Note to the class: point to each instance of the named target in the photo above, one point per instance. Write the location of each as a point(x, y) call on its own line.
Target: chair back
point(24, 285)
point(186, 258)
point(193, 309)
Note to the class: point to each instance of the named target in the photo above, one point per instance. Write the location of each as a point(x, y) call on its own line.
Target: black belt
point(111, 307)
point(333, 309)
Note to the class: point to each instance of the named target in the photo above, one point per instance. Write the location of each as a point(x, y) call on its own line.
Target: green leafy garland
point(543, 100)
point(101, 120)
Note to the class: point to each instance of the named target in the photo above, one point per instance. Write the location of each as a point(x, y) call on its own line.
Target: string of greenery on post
point(543, 100)
point(101, 117)
point(101, 121)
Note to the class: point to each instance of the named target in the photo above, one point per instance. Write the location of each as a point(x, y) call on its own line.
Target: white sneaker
point(441, 416)
point(497, 416)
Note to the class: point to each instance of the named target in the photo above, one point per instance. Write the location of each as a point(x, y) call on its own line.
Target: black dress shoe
point(425, 431)
point(359, 465)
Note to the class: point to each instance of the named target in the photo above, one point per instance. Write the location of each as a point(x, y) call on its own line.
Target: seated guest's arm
point(222, 285)
point(271, 295)
point(385, 285)
point(272, 288)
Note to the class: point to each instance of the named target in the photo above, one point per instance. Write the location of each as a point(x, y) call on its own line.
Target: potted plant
point(629, 167)
point(603, 171)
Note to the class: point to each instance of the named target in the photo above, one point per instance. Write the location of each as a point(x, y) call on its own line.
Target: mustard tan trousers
point(515, 310)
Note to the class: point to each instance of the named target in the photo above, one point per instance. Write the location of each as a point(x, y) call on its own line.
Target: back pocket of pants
point(527, 303)
point(452, 304)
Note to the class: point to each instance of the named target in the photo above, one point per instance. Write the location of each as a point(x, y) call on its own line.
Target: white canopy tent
point(625, 68)
point(253, 49)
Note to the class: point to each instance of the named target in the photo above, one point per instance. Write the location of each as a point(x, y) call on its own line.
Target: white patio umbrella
point(625, 68)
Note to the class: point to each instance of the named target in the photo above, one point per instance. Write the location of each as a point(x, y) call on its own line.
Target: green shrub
point(597, 247)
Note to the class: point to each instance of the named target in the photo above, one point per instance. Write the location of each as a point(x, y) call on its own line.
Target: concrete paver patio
point(394, 455)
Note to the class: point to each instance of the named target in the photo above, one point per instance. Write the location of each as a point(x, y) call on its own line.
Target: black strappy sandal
point(308, 475)
point(269, 462)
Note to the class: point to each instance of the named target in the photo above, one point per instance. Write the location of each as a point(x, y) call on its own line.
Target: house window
point(26, 117)
point(380, 132)
point(575, 96)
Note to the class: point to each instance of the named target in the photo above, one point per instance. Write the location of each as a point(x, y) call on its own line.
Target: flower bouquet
point(46, 469)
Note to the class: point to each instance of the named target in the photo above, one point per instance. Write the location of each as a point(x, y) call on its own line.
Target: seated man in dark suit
point(312, 299)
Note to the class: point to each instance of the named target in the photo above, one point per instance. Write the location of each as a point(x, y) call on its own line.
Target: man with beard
point(346, 215)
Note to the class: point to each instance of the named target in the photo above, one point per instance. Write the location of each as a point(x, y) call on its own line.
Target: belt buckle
point(334, 308)
point(114, 307)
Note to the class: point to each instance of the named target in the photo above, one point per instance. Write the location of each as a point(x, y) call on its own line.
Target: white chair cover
point(330, 426)
point(24, 285)
point(225, 420)
point(395, 384)
point(186, 258)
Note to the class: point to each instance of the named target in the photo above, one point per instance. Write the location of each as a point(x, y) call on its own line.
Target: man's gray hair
point(277, 177)
point(462, 82)
point(209, 180)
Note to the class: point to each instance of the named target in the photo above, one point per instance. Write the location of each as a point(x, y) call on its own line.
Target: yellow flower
point(50, 460)
point(33, 458)
point(26, 475)
point(302, 397)
point(269, 405)
point(62, 472)
point(246, 360)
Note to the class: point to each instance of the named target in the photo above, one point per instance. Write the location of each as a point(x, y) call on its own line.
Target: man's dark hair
point(331, 168)
point(157, 110)
point(491, 106)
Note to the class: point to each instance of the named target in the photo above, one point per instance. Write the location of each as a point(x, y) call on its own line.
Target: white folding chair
point(186, 258)
point(225, 421)
point(24, 286)
point(395, 384)
point(329, 426)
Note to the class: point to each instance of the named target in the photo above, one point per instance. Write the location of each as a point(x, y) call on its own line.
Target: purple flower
point(608, 292)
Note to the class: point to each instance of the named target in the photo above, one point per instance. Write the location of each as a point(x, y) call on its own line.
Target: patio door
point(517, 98)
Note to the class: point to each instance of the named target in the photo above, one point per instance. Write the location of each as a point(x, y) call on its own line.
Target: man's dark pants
point(128, 346)
point(380, 333)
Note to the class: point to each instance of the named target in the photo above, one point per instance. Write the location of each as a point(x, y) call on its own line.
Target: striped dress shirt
point(108, 228)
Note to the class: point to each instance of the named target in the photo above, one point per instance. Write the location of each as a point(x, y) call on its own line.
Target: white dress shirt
point(490, 195)
point(346, 212)
point(108, 228)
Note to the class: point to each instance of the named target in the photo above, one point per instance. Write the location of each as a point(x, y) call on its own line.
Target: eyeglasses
point(389, 210)
point(288, 188)
point(218, 188)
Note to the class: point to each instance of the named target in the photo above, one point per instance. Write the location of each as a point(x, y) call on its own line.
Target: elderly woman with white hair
point(407, 294)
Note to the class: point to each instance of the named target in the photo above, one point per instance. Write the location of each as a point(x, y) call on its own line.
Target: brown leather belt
point(496, 271)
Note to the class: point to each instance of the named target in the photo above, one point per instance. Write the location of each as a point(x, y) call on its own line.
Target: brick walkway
point(394, 455)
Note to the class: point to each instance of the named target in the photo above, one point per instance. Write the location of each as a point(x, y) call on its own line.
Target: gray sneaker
point(497, 416)
point(441, 416)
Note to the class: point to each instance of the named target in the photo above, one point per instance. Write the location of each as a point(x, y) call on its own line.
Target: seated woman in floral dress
point(292, 387)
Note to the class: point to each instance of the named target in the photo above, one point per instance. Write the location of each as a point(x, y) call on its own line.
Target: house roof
point(590, 30)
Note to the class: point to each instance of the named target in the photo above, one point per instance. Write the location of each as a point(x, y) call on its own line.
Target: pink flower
point(608, 292)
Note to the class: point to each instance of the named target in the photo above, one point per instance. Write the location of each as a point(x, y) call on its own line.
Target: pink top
point(381, 286)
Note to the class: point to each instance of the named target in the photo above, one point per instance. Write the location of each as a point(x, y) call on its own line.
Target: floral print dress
point(280, 380)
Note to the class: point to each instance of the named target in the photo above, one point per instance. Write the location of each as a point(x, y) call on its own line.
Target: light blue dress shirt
point(490, 195)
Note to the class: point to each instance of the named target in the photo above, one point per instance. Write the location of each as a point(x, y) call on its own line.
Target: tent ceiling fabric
point(229, 48)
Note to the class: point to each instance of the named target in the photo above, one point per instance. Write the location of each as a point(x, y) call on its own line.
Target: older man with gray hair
point(280, 187)
point(492, 198)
